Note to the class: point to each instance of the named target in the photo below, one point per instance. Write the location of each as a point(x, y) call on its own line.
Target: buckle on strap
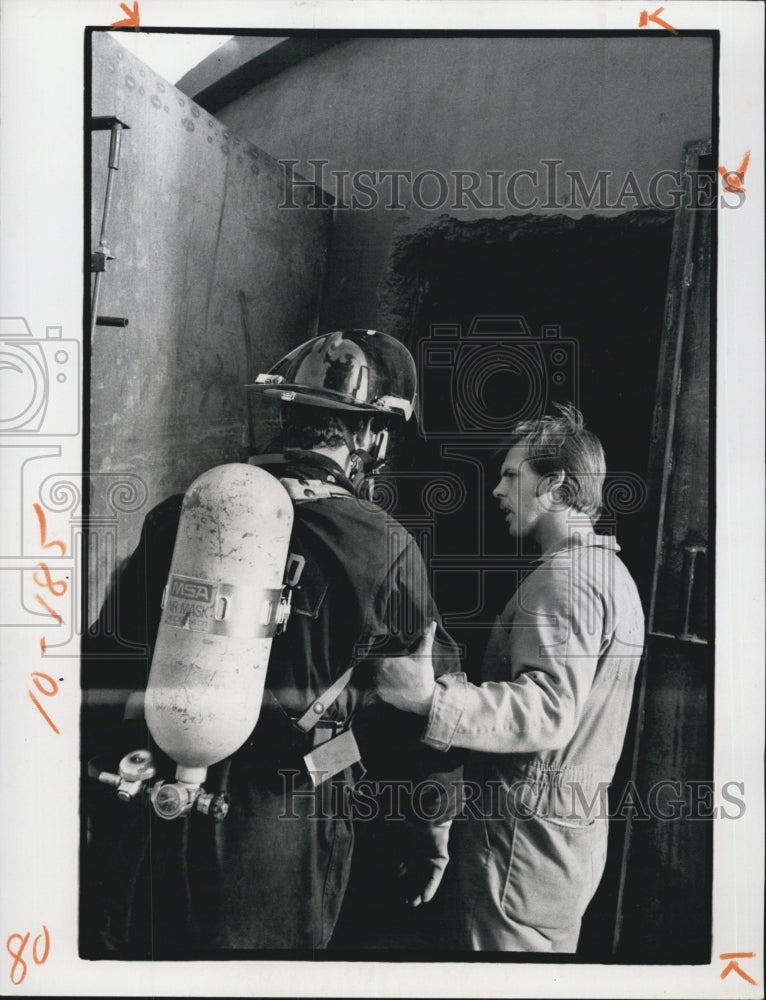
point(324, 731)
point(316, 710)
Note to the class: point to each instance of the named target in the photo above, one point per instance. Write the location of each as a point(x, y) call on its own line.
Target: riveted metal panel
point(203, 255)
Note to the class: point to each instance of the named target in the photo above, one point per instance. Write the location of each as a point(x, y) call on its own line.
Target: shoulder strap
point(301, 490)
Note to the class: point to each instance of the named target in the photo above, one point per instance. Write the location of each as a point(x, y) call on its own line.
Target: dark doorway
point(582, 302)
point(509, 317)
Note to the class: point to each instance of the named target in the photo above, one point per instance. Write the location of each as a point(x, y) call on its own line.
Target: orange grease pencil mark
point(733, 965)
point(733, 180)
point(133, 20)
point(645, 17)
point(37, 679)
point(57, 587)
point(49, 609)
point(44, 531)
point(19, 967)
point(44, 714)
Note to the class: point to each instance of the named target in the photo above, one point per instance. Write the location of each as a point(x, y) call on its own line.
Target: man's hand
point(407, 682)
point(426, 852)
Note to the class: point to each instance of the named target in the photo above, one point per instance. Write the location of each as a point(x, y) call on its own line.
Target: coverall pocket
point(553, 870)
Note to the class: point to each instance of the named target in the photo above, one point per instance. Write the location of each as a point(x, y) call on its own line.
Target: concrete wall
point(195, 226)
point(480, 104)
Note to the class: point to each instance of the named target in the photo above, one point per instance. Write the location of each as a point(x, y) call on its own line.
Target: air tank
point(221, 607)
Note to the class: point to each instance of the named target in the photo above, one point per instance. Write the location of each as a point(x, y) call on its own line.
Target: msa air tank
point(222, 605)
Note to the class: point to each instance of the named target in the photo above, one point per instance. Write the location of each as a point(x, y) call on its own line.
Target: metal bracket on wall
point(100, 256)
point(111, 321)
point(691, 549)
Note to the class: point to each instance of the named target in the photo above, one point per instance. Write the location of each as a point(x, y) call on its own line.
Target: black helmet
point(356, 370)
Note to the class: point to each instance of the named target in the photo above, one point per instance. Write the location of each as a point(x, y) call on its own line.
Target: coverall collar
point(581, 539)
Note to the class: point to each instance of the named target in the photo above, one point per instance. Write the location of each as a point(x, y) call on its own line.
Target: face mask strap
point(364, 464)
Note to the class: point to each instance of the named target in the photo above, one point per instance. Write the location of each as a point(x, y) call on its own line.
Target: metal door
point(665, 897)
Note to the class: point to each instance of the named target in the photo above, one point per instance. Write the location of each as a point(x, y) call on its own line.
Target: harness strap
point(317, 709)
point(301, 490)
point(333, 751)
point(329, 756)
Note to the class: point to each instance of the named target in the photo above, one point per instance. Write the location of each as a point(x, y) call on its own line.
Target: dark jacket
point(272, 875)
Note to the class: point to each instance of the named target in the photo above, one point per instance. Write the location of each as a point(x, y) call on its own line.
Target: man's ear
point(556, 490)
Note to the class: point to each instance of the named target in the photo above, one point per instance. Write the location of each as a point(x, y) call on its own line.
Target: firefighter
point(272, 875)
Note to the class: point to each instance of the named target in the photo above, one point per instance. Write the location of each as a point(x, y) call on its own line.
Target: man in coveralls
point(549, 720)
point(273, 873)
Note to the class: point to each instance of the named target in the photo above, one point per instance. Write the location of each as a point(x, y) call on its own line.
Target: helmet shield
point(348, 370)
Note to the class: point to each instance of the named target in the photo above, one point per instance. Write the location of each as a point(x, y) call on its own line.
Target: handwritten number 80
point(19, 967)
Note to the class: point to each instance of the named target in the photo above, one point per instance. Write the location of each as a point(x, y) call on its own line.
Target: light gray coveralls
point(550, 720)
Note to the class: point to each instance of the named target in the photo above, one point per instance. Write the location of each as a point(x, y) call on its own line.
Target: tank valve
point(215, 805)
point(170, 800)
point(135, 770)
point(173, 800)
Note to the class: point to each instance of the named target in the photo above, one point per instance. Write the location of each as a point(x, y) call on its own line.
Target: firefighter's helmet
point(356, 370)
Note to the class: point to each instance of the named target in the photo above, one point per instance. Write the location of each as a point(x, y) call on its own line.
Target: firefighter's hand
point(407, 682)
point(426, 858)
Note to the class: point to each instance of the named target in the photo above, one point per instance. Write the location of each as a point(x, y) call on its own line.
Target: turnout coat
point(273, 873)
